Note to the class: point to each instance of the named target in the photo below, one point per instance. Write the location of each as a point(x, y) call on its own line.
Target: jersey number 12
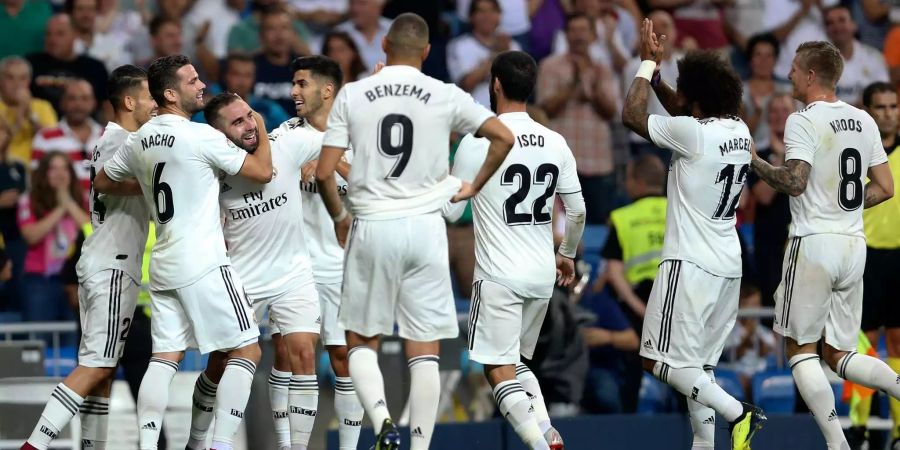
point(729, 176)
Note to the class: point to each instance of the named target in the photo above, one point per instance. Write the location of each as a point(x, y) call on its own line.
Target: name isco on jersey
point(157, 140)
point(733, 145)
point(255, 209)
point(398, 90)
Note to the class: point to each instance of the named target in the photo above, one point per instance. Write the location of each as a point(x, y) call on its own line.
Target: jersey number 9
point(395, 138)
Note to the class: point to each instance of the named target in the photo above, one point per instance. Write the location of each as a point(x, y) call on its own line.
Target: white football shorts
point(106, 302)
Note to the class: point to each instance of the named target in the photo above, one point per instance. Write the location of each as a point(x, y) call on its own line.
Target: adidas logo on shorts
point(149, 426)
point(416, 433)
point(711, 420)
point(833, 416)
point(648, 344)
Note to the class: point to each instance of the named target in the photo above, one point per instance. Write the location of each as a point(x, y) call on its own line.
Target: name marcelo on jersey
point(254, 209)
point(733, 145)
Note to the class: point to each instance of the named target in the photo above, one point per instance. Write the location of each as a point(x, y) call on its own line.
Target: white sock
point(870, 372)
point(60, 409)
point(424, 398)
point(233, 392)
point(153, 398)
point(349, 413)
point(94, 422)
point(695, 384)
point(817, 393)
point(703, 421)
point(369, 384)
point(516, 407)
point(202, 411)
point(533, 389)
point(304, 405)
point(279, 384)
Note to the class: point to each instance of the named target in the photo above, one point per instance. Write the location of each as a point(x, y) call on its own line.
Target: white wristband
point(341, 215)
point(646, 70)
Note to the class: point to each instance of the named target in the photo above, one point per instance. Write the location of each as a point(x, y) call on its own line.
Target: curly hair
point(42, 195)
point(705, 79)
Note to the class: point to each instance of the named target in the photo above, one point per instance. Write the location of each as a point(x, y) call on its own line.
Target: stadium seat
point(10, 317)
point(594, 238)
point(65, 364)
point(731, 383)
point(652, 397)
point(774, 392)
point(193, 361)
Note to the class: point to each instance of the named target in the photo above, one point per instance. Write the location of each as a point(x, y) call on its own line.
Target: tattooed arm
point(791, 178)
point(634, 114)
point(667, 97)
point(881, 186)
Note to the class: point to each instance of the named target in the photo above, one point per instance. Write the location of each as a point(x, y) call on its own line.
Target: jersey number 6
point(162, 195)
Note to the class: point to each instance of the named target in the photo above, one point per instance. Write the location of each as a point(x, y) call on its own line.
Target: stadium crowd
point(56, 57)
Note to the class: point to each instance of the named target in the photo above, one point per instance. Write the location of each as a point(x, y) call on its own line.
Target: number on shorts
point(162, 195)
point(850, 193)
point(395, 138)
point(728, 202)
point(537, 215)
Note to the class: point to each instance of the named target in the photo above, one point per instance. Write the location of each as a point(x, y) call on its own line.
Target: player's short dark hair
point(215, 104)
point(158, 22)
point(517, 73)
point(121, 81)
point(762, 38)
point(162, 74)
point(875, 88)
point(408, 34)
point(320, 67)
point(578, 16)
point(649, 169)
point(707, 80)
point(824, 59)
point(474, 4)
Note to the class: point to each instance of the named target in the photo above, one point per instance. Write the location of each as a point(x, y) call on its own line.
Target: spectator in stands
point(165, 38)
point(128, 25)
point(245, 35)
point(338, 46)
point(12, 185)
point(59, 62)
point(24, 114)
point(863, 65)
point(882, 222)
point(581, 98)
point(741, 21)
point(874, 20)
point(469, 56)
point(320, 15)
point(75, 136)
point(552, 14)
point(616, 32)
point(793, 23)
point(762, 52)
point(239, 74)
point(22, 25)
point(514, 21)
point(892, 55)
point(773, 212)
point(110, 49)
point(697, 20)
point(50, 217)
point(750, 343)
point(273, 63)
point(668, 71)
point(211, 22)
point(367, 27)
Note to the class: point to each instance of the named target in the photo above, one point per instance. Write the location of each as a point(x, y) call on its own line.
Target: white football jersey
point(710, 164)
point(326, 254)
point(840, 142)
point(265, 236)
point(120, 224)
point(398, 122)
point(177, 162)
point(513, 211)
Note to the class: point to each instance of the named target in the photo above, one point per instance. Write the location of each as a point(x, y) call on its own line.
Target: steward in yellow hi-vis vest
point(635, 241)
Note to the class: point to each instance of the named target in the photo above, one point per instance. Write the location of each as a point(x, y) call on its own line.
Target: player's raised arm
point(634, 113)
point(502, 141)
point(258, 165)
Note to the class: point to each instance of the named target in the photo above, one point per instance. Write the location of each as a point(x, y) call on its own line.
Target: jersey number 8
point(851, 188)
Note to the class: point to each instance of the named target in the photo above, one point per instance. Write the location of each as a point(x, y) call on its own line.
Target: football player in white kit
point(831, 147)
point(109, 272)
point(694, 300)
point(399, 122)
point(512, 216)
point(197, 299)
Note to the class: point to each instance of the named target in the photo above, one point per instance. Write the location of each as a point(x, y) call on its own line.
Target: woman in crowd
point(49, 217)
point(340, 47)
point(762, 51)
